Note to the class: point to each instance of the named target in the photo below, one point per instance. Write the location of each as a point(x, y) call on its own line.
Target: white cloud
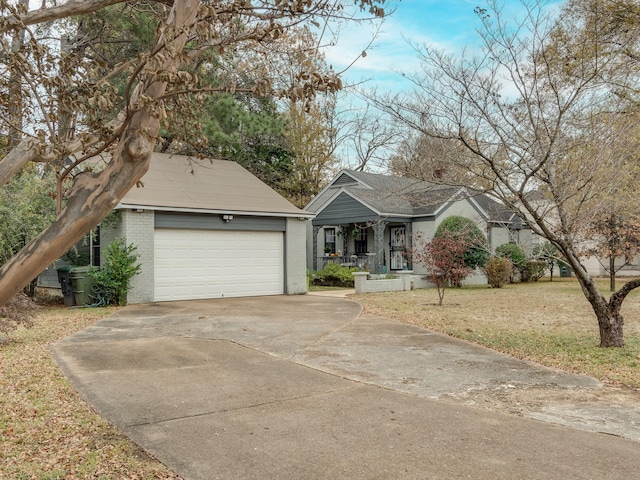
point(415, 22)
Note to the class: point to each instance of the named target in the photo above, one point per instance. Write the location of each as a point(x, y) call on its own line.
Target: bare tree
point(426, 157)
point(190, 33)
point(523, 113)
point(372, 135)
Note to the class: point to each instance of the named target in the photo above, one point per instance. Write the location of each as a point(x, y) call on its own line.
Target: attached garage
point(198, 264)
point(210, 229)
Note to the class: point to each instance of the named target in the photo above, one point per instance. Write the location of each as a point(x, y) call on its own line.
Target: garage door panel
point(198, 264)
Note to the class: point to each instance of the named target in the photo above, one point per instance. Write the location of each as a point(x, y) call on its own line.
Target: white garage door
point(197, 264)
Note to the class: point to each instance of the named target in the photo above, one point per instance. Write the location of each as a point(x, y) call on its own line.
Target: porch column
point(316, 229)
point(378, 245)
point(345, 239)
point(408, 235)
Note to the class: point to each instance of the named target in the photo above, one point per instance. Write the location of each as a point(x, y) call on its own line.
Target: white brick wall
point(139, 231)
point(403, 282)
point(295, 257)
point(135, 228)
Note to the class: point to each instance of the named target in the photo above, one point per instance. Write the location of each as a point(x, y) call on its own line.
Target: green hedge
point(533, 270)
point(334, 275)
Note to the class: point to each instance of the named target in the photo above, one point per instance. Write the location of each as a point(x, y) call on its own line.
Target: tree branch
point(94, 195)
point(69, 9)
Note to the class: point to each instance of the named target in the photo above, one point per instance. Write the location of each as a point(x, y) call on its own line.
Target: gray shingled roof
point(496, 211)
point(176, 182)
point(409, 196)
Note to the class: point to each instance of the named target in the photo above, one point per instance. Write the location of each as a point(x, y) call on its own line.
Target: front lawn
point(47, 432)
point(550, 323)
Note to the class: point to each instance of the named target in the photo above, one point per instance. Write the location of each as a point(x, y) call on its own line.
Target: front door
point(398, 248)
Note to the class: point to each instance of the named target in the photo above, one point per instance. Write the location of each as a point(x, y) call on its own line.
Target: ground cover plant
point(333, 275)
point(545, 322)
point(47, 432)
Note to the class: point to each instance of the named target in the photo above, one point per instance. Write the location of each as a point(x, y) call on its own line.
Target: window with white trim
point(329, 240)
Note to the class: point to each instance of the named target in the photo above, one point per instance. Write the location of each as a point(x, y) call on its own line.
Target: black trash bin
point(64, 277)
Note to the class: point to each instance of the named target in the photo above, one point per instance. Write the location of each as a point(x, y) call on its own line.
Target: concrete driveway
point(305, 387)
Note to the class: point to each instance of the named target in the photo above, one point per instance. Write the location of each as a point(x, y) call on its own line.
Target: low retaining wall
point(367, 283)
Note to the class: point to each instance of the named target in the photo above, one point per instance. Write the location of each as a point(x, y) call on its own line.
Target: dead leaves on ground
point(46, 430)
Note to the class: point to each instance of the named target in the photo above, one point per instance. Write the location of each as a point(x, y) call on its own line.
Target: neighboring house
point(369, 220)
point(596, 267)
point(599, 267)
point(209, 229)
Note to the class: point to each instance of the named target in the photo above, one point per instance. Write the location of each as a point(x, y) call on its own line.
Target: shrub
point(444, 259)
point(548, 253)
point(533, 270)
point(334, 275)
point(498, 271)
point(513, 252)
point(517, 256)
point(461, 228)
point(120, 266)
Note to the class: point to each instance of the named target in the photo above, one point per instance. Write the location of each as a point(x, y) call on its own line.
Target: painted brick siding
point(295, 257)
point(135, 228)
point(139, 228)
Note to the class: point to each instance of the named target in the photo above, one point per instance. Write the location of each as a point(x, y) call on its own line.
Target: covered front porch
point(377, 246)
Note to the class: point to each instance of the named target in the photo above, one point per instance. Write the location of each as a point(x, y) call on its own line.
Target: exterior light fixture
point(227, 218)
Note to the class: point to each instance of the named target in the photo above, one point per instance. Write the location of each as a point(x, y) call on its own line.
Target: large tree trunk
point(610, 320)
point(610, 323)
point(94, 195)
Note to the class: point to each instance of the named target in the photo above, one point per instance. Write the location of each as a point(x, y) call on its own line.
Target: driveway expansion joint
point(242, 408)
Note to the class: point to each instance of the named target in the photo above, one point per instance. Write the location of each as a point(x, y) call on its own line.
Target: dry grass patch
point(47, 431)
point(547, 322)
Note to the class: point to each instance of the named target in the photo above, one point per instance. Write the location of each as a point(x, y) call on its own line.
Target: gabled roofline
point(359, 180)
point(364, 203)
point(461, 193)
point(300, 215)
point(343, 171)
point(342, 190)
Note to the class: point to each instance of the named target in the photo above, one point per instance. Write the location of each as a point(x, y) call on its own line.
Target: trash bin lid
point(65, 268)
point(85, 269)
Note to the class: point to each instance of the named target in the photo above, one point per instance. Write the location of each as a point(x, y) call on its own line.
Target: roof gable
point(181, 183)
point(343, 209)
point(344, 179)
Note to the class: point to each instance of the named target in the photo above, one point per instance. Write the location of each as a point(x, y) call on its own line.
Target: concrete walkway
point(305, 387)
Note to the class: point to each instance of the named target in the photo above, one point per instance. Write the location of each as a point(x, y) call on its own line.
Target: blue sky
point(446, 24)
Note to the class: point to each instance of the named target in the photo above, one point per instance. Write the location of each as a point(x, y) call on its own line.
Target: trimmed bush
point(498, 271)
point(462, 228)
point(533, 270)
point(514, 253)
point(334, 275)
point(517, 256)
point(120, 266)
